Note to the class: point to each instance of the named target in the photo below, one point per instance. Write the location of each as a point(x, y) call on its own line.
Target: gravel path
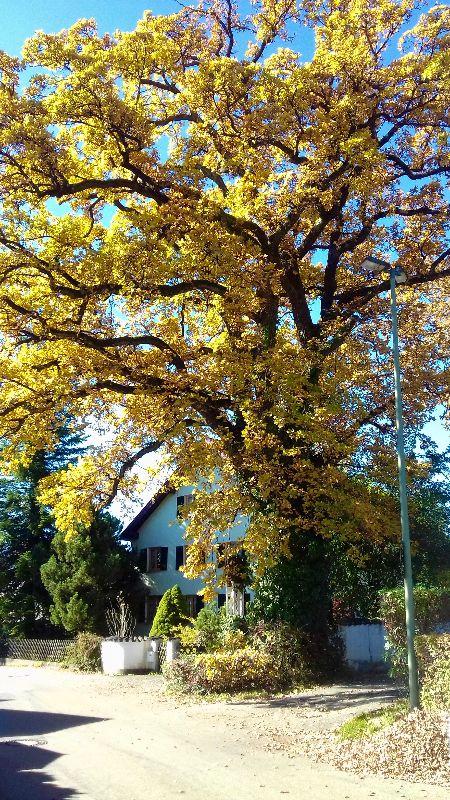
point(108, 738)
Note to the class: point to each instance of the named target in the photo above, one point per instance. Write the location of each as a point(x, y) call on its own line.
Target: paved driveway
point(101, 738)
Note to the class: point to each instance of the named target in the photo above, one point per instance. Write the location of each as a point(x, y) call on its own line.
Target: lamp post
point(397, 275)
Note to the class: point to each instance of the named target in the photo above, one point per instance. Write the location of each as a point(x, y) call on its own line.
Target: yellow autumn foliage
point(183, 220)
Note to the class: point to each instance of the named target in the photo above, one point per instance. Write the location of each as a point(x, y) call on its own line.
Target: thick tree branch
point(145, 450)
point(417, 174)
point(362, 294)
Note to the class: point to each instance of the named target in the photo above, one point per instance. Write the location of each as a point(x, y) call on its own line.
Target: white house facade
point(156, 535)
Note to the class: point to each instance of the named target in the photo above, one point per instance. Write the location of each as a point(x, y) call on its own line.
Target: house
point(156, 534)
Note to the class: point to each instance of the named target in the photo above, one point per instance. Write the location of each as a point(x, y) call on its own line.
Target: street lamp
point(397, 275)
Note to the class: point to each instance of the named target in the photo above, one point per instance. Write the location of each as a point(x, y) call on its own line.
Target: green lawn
point(371, 722)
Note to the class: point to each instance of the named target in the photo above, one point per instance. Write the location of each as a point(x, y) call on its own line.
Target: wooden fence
point(34, 649)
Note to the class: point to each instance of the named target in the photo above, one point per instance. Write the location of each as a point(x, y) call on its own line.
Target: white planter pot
point(172, 649)
point(121, 657)
point(153, 655)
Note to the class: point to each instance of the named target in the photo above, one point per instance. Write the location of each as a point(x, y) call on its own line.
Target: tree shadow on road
point(23, 758)
point(335, 701)
point(15, 723)
point(23, 777)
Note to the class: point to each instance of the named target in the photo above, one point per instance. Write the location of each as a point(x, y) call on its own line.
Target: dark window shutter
point(180, 503)
point(221, 552)
point(141, 611)
point(153, 603)
point(199, 604)
point(143, 560)
point(163, 557)
point(179, 557)
point(221, 599)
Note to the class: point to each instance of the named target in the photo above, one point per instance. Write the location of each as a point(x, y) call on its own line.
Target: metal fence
point(34, 649)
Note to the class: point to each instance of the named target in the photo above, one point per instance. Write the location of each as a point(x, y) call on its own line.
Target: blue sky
point(19, 19)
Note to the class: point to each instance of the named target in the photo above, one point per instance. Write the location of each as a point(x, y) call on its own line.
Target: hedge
point(432, 608)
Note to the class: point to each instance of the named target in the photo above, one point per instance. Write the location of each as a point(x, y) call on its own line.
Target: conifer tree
point(26, 532)
point(85, 574)
point(171, 612)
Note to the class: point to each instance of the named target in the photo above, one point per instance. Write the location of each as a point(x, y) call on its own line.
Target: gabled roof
point(132, 530)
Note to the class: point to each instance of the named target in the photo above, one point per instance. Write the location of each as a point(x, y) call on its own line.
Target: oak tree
point(184, 212)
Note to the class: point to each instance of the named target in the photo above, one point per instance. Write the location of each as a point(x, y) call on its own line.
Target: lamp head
point(400, 275)
point(374, 266)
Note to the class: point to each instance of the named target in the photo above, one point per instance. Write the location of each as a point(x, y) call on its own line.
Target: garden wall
point(364, 645)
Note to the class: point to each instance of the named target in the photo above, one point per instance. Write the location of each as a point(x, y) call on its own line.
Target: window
point(181, 556)
point(233, 563)
point(147, 608)
point(153, 559)
point(143, 560)
point(182, 501)
point(157, 559)
point(194, 604)
point(222, 600)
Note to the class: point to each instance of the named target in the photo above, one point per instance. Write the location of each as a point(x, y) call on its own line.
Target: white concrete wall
point(364, 644)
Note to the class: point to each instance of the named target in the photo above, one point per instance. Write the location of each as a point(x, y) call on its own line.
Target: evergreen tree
point(171, 612)
point(26, 532)
point(85, 573)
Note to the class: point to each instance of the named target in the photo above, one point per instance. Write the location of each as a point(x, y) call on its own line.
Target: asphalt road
point(97, 738)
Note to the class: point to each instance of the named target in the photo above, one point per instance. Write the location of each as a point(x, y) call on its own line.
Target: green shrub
point(209, 624)
point(238, 670)
point(172, 612)
point(432, 608)
point(286, 647)
point(188, 636)
point(223, 671)
point(430, 649)
point(270, 658)
point(214, 629)
point(83, 654)
point(181, 674)
point(234, 640)
point(232, 624)
point(433, 656)
point(300, 656)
